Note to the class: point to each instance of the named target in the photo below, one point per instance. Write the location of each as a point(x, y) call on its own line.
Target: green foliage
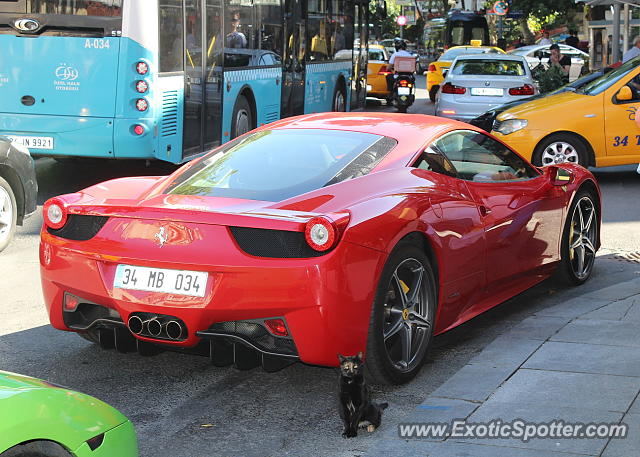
point(552, 79)
point(542, 8)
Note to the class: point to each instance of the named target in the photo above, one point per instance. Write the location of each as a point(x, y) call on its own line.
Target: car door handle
point(484, 211)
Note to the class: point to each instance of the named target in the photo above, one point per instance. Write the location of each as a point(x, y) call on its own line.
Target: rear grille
point(257, 335)
point(79, 227)
point(281, 244)
point(169, 113)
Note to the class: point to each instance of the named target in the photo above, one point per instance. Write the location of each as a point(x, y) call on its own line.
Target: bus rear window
point(102, 8)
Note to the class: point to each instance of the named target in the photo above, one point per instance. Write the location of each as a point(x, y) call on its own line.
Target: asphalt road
point(182, 406)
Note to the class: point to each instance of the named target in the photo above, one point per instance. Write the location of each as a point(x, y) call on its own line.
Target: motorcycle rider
point(401, 51)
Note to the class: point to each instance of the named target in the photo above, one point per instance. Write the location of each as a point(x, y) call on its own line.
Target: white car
point(477, 83)
point(539, 54)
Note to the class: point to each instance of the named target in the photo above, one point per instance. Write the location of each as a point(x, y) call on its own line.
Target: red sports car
point(315, 236)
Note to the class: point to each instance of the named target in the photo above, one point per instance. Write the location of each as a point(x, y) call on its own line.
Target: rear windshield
point(451, 54)
point(273, 165)
point(491, 67)
point(376, 54)
point(104, 8)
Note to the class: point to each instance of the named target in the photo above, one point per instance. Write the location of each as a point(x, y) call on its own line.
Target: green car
point(38, 419)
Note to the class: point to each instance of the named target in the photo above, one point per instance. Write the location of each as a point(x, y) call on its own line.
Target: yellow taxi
point(593, 126)
point(376, 72)
point(434, 73)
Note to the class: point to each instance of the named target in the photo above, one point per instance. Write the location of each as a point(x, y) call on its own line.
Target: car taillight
point(384, 72)
point(451, 89)
point(527, 89)
point(54, 213)
point(142, 104)
point(277, 327)
point(138, 129)
point(142, 86)
point(320, 233)
point(142, 68)
point(432, 67)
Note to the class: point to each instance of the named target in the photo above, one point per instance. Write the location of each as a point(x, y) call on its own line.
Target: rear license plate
point(33, 142)
point(181, 282)
point(404, 91)
point(490, 91)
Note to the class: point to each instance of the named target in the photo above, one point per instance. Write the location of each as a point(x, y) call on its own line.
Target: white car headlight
point(510, 126)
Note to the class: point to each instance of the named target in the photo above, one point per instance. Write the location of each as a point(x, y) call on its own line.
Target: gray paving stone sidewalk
point(576, 361)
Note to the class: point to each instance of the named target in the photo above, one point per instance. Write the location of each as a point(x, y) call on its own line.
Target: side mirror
point(559, 176)
point(624, 94)
point(538, 55)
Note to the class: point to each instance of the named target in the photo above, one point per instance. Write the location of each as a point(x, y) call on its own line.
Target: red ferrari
point(315, 236)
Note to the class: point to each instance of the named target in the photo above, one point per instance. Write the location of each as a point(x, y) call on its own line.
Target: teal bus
point(171, 79)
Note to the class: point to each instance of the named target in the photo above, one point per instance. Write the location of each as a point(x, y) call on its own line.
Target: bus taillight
point(142, 68)
point(138, 129)
point(142, 86)
point(142, 104)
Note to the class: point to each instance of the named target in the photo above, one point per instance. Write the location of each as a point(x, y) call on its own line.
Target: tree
point(539, 9)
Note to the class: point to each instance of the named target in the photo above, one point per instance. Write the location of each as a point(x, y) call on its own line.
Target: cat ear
point(341, 358)
point(360, 354)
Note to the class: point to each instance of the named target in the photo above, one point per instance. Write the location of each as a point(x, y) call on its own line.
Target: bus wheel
point(242, 120)
point(339, 98)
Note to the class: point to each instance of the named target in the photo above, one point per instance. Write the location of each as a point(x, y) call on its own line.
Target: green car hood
point(32, 409)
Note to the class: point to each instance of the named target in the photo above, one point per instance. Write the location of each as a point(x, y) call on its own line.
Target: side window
point(477, 157)
point(319, 31)
point(171, 44)
point(433, 160)
point(270, 28)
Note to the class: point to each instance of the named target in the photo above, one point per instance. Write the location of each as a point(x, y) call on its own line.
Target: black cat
point(356, 408)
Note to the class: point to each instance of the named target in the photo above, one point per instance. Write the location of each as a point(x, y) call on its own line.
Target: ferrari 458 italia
point(315, 236)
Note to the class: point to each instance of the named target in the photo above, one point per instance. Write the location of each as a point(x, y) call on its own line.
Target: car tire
point(36, 449)
point(569, 270)
point(392, 323)
point(561, 148)
point(339, 102)
point(8, 214)
point(433, 93)
point(242, 118)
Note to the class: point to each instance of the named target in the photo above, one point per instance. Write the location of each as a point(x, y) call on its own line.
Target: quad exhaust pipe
point(154, 326)
point(173, 330)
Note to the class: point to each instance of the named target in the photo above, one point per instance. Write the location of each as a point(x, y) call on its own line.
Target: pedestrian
point(572, 39)
point(557, 59)
point(545, 38)
point(634, 51)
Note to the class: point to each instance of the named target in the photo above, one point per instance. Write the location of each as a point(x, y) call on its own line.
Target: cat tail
point(384, 405)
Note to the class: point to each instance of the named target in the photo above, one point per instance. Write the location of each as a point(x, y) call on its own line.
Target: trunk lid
point(477, 84)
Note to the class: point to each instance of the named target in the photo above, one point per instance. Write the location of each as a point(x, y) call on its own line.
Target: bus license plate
point(33, 142)
point(181, 282)
point(487, 91)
